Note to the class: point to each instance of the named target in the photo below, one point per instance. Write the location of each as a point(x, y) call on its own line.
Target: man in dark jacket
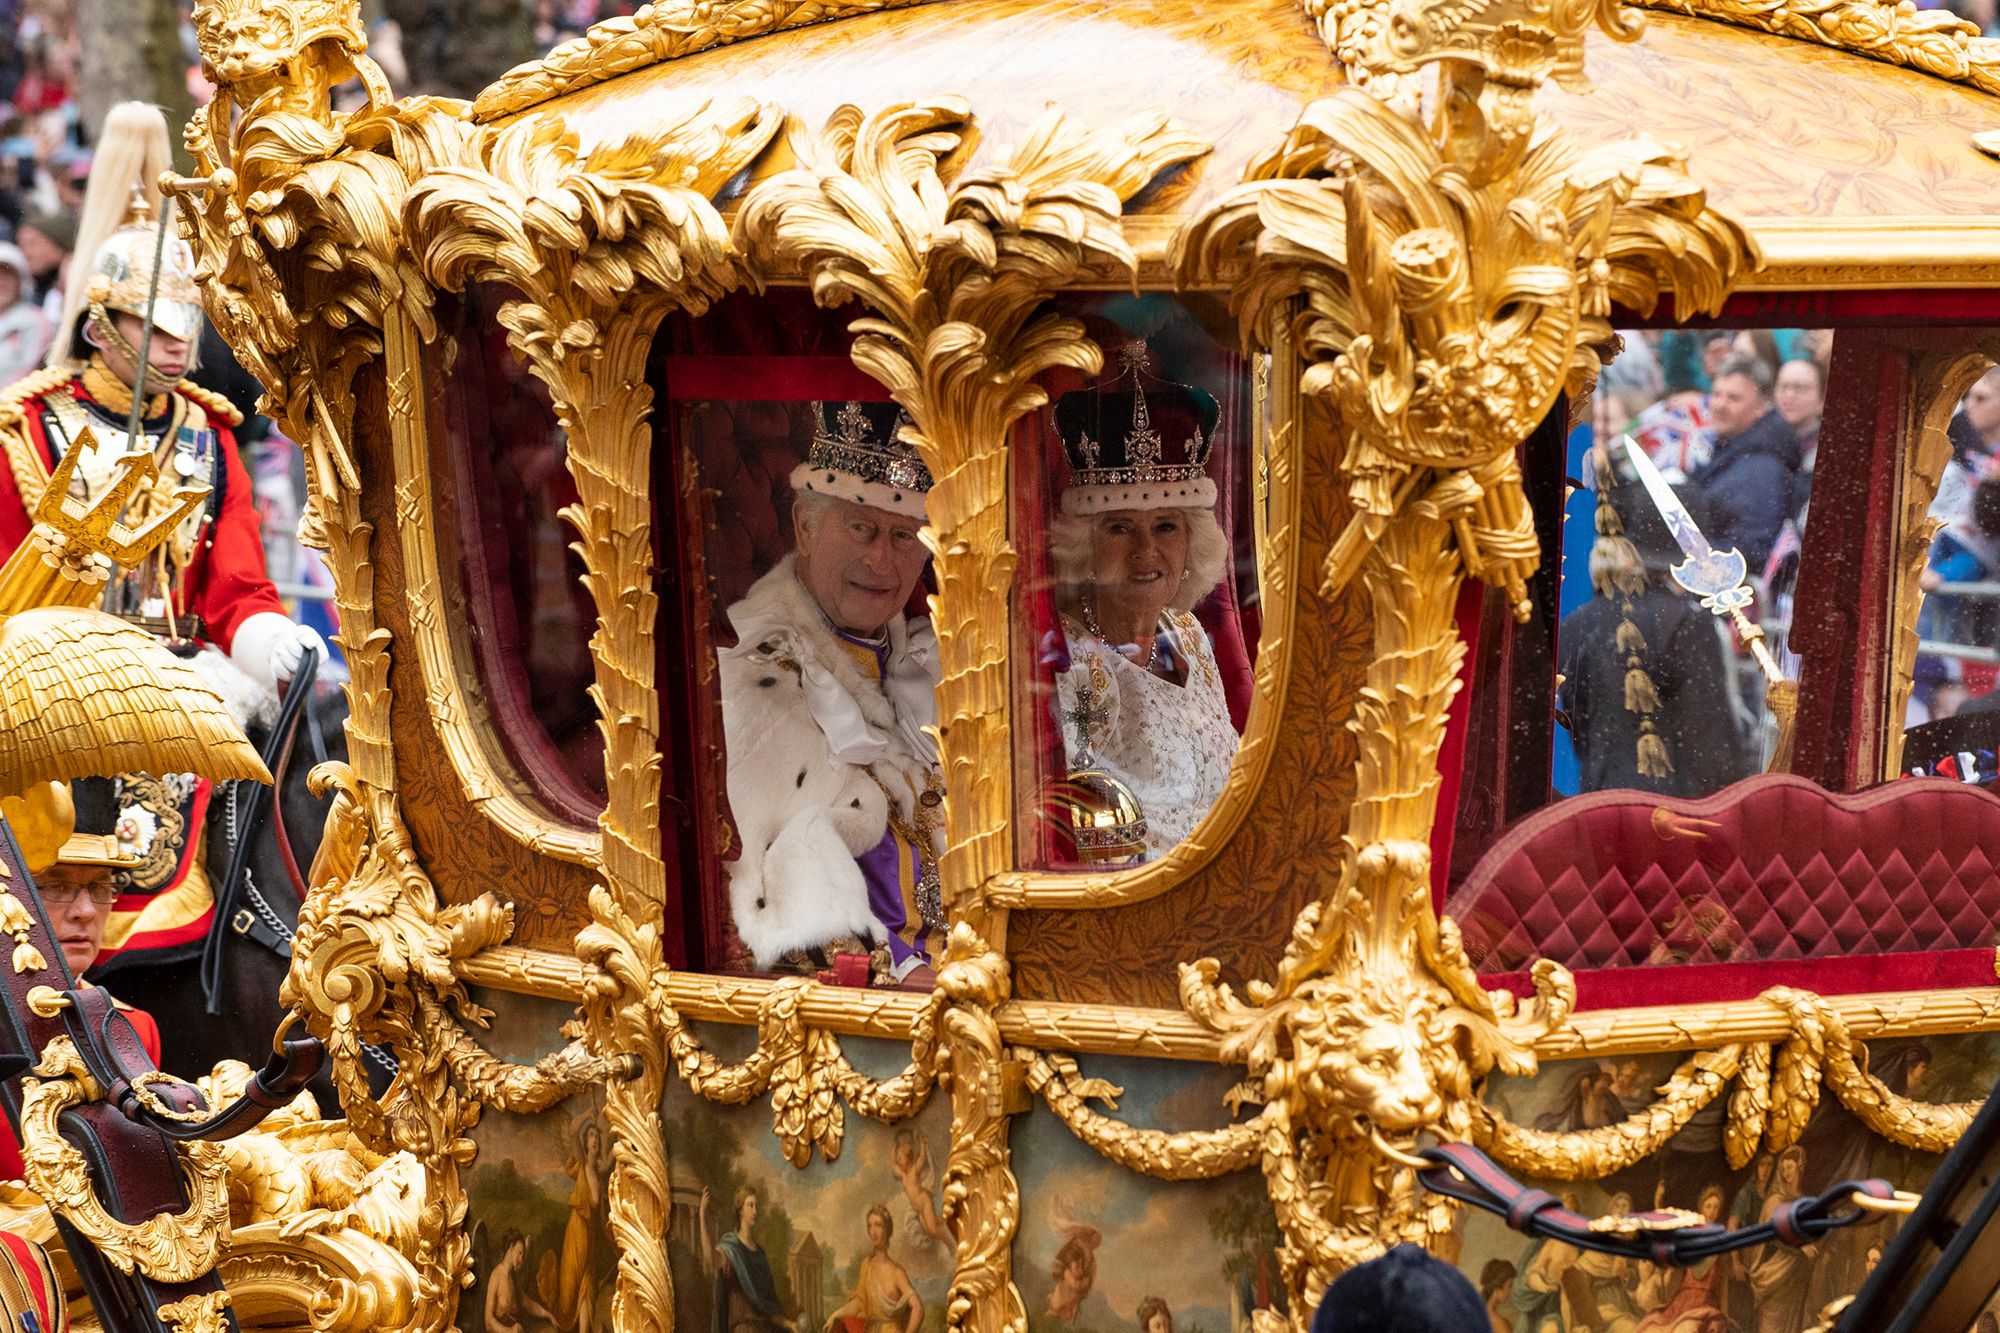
point(1646, 672)
point(1747, 483)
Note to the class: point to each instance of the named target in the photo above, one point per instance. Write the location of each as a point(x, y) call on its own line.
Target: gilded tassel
point(1653, 761)
point(1640, 694)
point(27, 958)
point(1630, 640)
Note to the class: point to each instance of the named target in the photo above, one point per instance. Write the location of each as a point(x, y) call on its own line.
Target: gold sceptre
point(76, 547)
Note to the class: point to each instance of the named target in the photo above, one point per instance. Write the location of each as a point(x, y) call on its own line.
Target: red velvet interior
point(1785, 871)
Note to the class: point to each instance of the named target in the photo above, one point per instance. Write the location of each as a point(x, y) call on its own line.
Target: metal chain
point(378, 1056)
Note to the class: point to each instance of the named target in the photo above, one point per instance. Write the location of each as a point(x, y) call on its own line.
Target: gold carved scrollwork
point(170, 1247)
point(199, 1313)
point(600, 245)
point(1453, 276)
point(299, 241)
point(664, 30)
point(954, 274)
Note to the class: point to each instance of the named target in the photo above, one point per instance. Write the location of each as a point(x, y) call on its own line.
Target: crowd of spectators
point(1732, 418)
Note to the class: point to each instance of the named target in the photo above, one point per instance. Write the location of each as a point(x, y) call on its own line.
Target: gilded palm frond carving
point(83, 694)
point(954, 264)
point(1450, 295)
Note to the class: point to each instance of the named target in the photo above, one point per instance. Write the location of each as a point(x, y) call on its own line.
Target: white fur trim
point(249, 700)
point(801, 891)
point(846, 486)
point(801, 813)
point(1195, 493)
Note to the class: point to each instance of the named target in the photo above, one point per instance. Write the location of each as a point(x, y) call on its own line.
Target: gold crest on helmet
point(121, 276)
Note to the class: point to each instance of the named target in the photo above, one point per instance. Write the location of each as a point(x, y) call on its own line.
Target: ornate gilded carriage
point(1402, 235)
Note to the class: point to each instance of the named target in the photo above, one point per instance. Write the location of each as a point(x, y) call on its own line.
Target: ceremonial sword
point(1719, 578)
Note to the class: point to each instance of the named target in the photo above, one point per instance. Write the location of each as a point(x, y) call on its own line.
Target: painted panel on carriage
point(1102, 1249)
point(756, 1242)
point(1532, 1287)
point(542, 1259)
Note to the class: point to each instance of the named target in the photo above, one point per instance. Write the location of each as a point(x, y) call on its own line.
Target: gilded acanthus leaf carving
point(599, 244)
point(954, 277)
point(1446, 279)
point(954, 270)
point(298, 233)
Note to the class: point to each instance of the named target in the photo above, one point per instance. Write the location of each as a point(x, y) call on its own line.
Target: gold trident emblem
point(70, 555)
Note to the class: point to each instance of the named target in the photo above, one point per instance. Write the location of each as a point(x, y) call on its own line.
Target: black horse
point(249, 944)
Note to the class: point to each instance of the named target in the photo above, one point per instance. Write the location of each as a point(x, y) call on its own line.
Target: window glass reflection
point(1662, 690)
point(502, 482)
point(833, 780)
point(1958, 667)
point(1139, 592)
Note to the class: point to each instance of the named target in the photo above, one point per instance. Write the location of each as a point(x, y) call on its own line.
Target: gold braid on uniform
point(213, 403)
point(1619, 574)
point(31, 476)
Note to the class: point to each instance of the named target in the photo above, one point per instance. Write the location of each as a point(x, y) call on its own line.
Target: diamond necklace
point(1097, 631)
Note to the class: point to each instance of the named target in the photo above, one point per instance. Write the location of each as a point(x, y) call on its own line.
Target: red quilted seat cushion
point(1784, 869)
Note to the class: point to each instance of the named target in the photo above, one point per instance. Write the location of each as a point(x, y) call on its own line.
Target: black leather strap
point(1462, 1172)
point(258, 806)
point(134, 1168)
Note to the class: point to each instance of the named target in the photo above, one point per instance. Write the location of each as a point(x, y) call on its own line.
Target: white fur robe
point(808, 736)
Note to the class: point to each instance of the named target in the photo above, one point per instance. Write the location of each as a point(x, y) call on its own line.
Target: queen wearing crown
point(1136, 547)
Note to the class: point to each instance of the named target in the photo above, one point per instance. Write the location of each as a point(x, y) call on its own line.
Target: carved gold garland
point(1931, 41)
point(1373, 252)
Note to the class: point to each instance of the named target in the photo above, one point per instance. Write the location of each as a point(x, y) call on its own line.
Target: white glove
point(270, 646)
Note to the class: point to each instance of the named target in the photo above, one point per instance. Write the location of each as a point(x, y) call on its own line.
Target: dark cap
point(58, 227)
point(1404, 1291)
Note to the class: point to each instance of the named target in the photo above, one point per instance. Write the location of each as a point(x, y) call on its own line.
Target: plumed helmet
point(121, 278)
point(117, 237)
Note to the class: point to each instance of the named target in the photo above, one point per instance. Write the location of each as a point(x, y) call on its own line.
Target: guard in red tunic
point(205, 588)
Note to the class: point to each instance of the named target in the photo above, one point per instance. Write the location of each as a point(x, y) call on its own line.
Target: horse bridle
point(240, 906)
point(277, 757)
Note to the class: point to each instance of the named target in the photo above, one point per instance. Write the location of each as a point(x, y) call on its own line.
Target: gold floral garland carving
point(298, 240)
point(954, 274)
point(1930, 41)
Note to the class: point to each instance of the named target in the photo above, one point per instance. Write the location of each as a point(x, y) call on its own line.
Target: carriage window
point(1680, 559)
point(1952, 712)
point(806, 582)
point(1136, 614)
point(499, 483)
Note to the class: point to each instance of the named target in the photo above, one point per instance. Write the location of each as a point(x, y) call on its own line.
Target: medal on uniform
point(194, 451)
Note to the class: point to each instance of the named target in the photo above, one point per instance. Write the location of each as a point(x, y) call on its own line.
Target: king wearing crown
point(833, 779)
point(205, 586)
